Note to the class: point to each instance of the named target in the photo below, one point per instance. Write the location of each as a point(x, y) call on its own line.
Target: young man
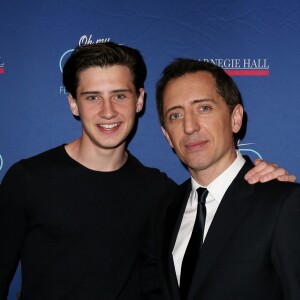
point(220, 238)
point(77, 214)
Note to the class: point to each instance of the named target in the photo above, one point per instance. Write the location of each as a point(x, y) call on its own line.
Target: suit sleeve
point(286, 246)
point(12, 226)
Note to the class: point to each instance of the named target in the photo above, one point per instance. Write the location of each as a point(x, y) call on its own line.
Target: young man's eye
point(92, 98)
point(120, 96)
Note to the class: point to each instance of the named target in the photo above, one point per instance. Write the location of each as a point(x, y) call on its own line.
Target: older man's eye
point(175, 116)
point(205, 108)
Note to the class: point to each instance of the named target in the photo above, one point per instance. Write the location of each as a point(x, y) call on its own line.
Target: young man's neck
point(95, 158)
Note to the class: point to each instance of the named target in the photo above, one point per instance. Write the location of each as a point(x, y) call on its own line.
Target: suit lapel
point(173, 218)
point(175, 212)
point(232, 208)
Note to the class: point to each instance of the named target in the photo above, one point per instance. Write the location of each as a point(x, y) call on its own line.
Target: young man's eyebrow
point(111, 92)
point(121, 91)
point(90, 92)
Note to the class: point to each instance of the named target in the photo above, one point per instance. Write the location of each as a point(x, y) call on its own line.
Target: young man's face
point(106, 104)
point(199, 125)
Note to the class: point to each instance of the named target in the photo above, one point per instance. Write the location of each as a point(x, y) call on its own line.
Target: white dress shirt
point(216, 190)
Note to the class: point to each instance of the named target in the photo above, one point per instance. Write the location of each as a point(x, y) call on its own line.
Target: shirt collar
point(218, 187)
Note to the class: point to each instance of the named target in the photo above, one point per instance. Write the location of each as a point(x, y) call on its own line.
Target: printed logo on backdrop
point(245, 149)
point(1, 162)
point(83, 40)
point(242, 66)
point(1, 66)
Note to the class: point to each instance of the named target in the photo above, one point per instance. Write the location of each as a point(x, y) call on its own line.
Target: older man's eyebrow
point(195, 101)
point(173, 108)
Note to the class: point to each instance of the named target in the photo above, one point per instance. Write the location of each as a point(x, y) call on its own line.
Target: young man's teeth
point(109, 126)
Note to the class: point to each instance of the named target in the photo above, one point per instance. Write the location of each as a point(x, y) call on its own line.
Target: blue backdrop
point(257, 42)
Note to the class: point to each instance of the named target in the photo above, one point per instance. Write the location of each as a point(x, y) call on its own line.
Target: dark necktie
point(193, 249)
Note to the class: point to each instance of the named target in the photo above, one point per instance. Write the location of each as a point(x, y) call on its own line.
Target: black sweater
point(78, 232)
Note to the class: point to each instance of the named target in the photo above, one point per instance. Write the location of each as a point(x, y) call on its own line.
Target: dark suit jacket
point(251, 251)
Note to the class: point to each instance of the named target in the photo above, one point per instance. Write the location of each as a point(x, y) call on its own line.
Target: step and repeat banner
point(257, 43)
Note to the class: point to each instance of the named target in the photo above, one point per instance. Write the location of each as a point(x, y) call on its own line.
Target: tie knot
point(202, 193)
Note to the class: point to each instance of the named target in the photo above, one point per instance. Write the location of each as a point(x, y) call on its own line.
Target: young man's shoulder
point(49, 154)
point(151, 173)
point(39, 161)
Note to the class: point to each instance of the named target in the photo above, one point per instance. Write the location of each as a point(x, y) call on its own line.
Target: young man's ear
point(237, 118)
point(140, 101)
point(167, 136)
point(73, 105)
